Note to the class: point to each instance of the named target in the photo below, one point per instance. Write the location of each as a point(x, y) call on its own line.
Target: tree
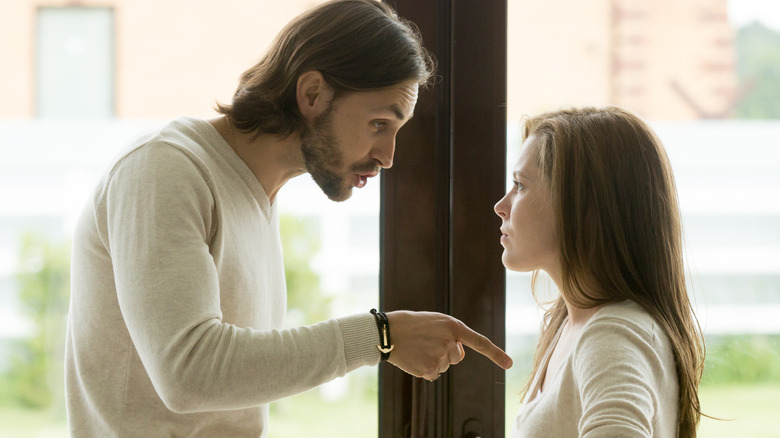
point(758, 67)
point(300, 241)
point(35, 377)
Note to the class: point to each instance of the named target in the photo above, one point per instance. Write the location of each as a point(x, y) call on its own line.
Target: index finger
point(484, 346)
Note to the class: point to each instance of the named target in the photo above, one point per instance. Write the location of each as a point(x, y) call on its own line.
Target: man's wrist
point(385, 345)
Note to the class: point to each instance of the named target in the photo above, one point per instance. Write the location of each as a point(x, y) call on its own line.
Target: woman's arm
point(617, 366)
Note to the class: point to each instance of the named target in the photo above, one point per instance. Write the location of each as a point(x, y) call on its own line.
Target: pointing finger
point(483, 346)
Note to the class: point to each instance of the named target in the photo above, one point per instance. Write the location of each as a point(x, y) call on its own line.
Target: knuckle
point(457, 326)
point(458, 358)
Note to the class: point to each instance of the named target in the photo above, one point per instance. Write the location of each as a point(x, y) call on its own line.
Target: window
point(75, 62)
point(700, 73)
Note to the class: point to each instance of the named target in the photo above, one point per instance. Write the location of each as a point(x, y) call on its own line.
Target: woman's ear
point(313, 94)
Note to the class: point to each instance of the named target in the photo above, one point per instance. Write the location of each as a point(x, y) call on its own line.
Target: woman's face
point(528, 227)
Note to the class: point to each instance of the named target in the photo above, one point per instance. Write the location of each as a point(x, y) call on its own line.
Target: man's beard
point(323, 158)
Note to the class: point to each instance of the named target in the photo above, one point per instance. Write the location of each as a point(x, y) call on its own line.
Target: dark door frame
point(439, 236)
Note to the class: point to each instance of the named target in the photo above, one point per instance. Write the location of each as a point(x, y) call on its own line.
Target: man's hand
point(427, 343)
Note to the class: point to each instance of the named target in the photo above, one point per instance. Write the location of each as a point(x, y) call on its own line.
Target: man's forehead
point(398, 112)
point(401, 100)
point(394, 102)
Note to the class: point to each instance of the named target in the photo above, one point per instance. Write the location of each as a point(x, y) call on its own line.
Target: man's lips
point(361, 179)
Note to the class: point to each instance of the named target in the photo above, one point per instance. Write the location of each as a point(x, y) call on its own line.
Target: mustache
point(360, 168)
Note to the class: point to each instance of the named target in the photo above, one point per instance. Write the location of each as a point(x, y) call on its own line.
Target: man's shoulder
point(186, 132)
point(166, 148)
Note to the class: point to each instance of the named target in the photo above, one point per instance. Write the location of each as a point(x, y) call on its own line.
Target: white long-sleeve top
point(178, 297)
point(619, 380)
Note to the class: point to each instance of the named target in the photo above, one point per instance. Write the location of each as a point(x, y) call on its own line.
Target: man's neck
point(272, 159)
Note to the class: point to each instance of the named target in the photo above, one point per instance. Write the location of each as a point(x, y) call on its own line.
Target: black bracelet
point(385, 346)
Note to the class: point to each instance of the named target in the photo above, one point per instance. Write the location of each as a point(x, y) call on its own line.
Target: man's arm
point(158, 224)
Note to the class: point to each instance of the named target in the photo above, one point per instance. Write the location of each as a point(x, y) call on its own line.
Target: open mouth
point(361, 179)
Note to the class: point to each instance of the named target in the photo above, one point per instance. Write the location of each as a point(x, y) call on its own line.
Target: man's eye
point(378, 124)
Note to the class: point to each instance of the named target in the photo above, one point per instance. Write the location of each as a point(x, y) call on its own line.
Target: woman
point(594, 205)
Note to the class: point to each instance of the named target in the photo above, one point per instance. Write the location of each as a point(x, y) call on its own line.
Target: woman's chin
point(514, 265)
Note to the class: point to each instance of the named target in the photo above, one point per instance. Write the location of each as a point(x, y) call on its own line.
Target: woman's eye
point(517, 184)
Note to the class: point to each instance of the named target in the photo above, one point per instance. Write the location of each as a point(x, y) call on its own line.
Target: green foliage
point(34, 377)
point(301, 240)
point(758, 66)
point(742, 360)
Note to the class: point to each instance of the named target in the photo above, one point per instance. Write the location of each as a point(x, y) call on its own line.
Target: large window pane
point(104, 76)
point(704, 75)
point(75, 62)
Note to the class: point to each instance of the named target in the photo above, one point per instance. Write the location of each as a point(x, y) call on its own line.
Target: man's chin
point(341, 197)
point(340, 194)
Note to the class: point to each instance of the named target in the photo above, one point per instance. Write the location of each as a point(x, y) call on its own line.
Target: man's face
point(355, 138)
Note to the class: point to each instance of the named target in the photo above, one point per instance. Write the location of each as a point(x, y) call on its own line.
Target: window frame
point(439, 244)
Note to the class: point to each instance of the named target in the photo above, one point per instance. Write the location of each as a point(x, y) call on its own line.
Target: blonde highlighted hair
point(619, 228)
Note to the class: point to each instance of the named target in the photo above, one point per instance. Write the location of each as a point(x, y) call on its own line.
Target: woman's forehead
point(526, 162)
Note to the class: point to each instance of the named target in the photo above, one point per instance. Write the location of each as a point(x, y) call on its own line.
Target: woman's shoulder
point(624, 356)
point(624, 313)
point(622, 325)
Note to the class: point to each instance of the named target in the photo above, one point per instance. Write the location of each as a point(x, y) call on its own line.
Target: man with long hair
point(178, 288)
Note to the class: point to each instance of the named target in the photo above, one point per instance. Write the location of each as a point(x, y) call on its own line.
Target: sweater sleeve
point(158, 208)
point(614, 363)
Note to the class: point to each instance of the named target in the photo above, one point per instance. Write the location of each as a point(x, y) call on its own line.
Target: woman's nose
point(500, 209)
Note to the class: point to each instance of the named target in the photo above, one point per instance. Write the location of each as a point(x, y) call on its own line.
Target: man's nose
point(383, 153)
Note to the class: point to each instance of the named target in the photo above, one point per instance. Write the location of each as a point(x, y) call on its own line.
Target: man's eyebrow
point(395, 109)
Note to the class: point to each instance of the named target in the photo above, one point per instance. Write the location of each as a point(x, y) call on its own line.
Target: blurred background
point(81, 79)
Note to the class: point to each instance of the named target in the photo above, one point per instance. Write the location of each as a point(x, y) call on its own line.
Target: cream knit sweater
point(618, 381)
point(178, 297)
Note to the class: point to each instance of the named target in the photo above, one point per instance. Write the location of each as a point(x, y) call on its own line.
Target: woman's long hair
point(618, 219)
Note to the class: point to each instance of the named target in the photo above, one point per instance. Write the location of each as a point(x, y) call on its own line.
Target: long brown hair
point(357, 45)
point(618, 220)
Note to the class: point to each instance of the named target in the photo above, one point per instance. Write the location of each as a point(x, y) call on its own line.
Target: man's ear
point(313, 94)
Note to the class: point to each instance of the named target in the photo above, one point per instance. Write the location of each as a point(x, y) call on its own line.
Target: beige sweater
point(178, 298)
point(618, 381)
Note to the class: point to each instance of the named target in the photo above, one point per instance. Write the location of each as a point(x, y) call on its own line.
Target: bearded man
point(178, 289)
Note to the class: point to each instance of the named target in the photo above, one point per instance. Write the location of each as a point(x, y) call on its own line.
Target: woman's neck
point(578, 316)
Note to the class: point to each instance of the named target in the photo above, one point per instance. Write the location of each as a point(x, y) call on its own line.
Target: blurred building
point(663, 59)
point(130, 58)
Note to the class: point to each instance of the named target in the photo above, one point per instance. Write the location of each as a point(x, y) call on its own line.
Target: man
point(178, 289)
